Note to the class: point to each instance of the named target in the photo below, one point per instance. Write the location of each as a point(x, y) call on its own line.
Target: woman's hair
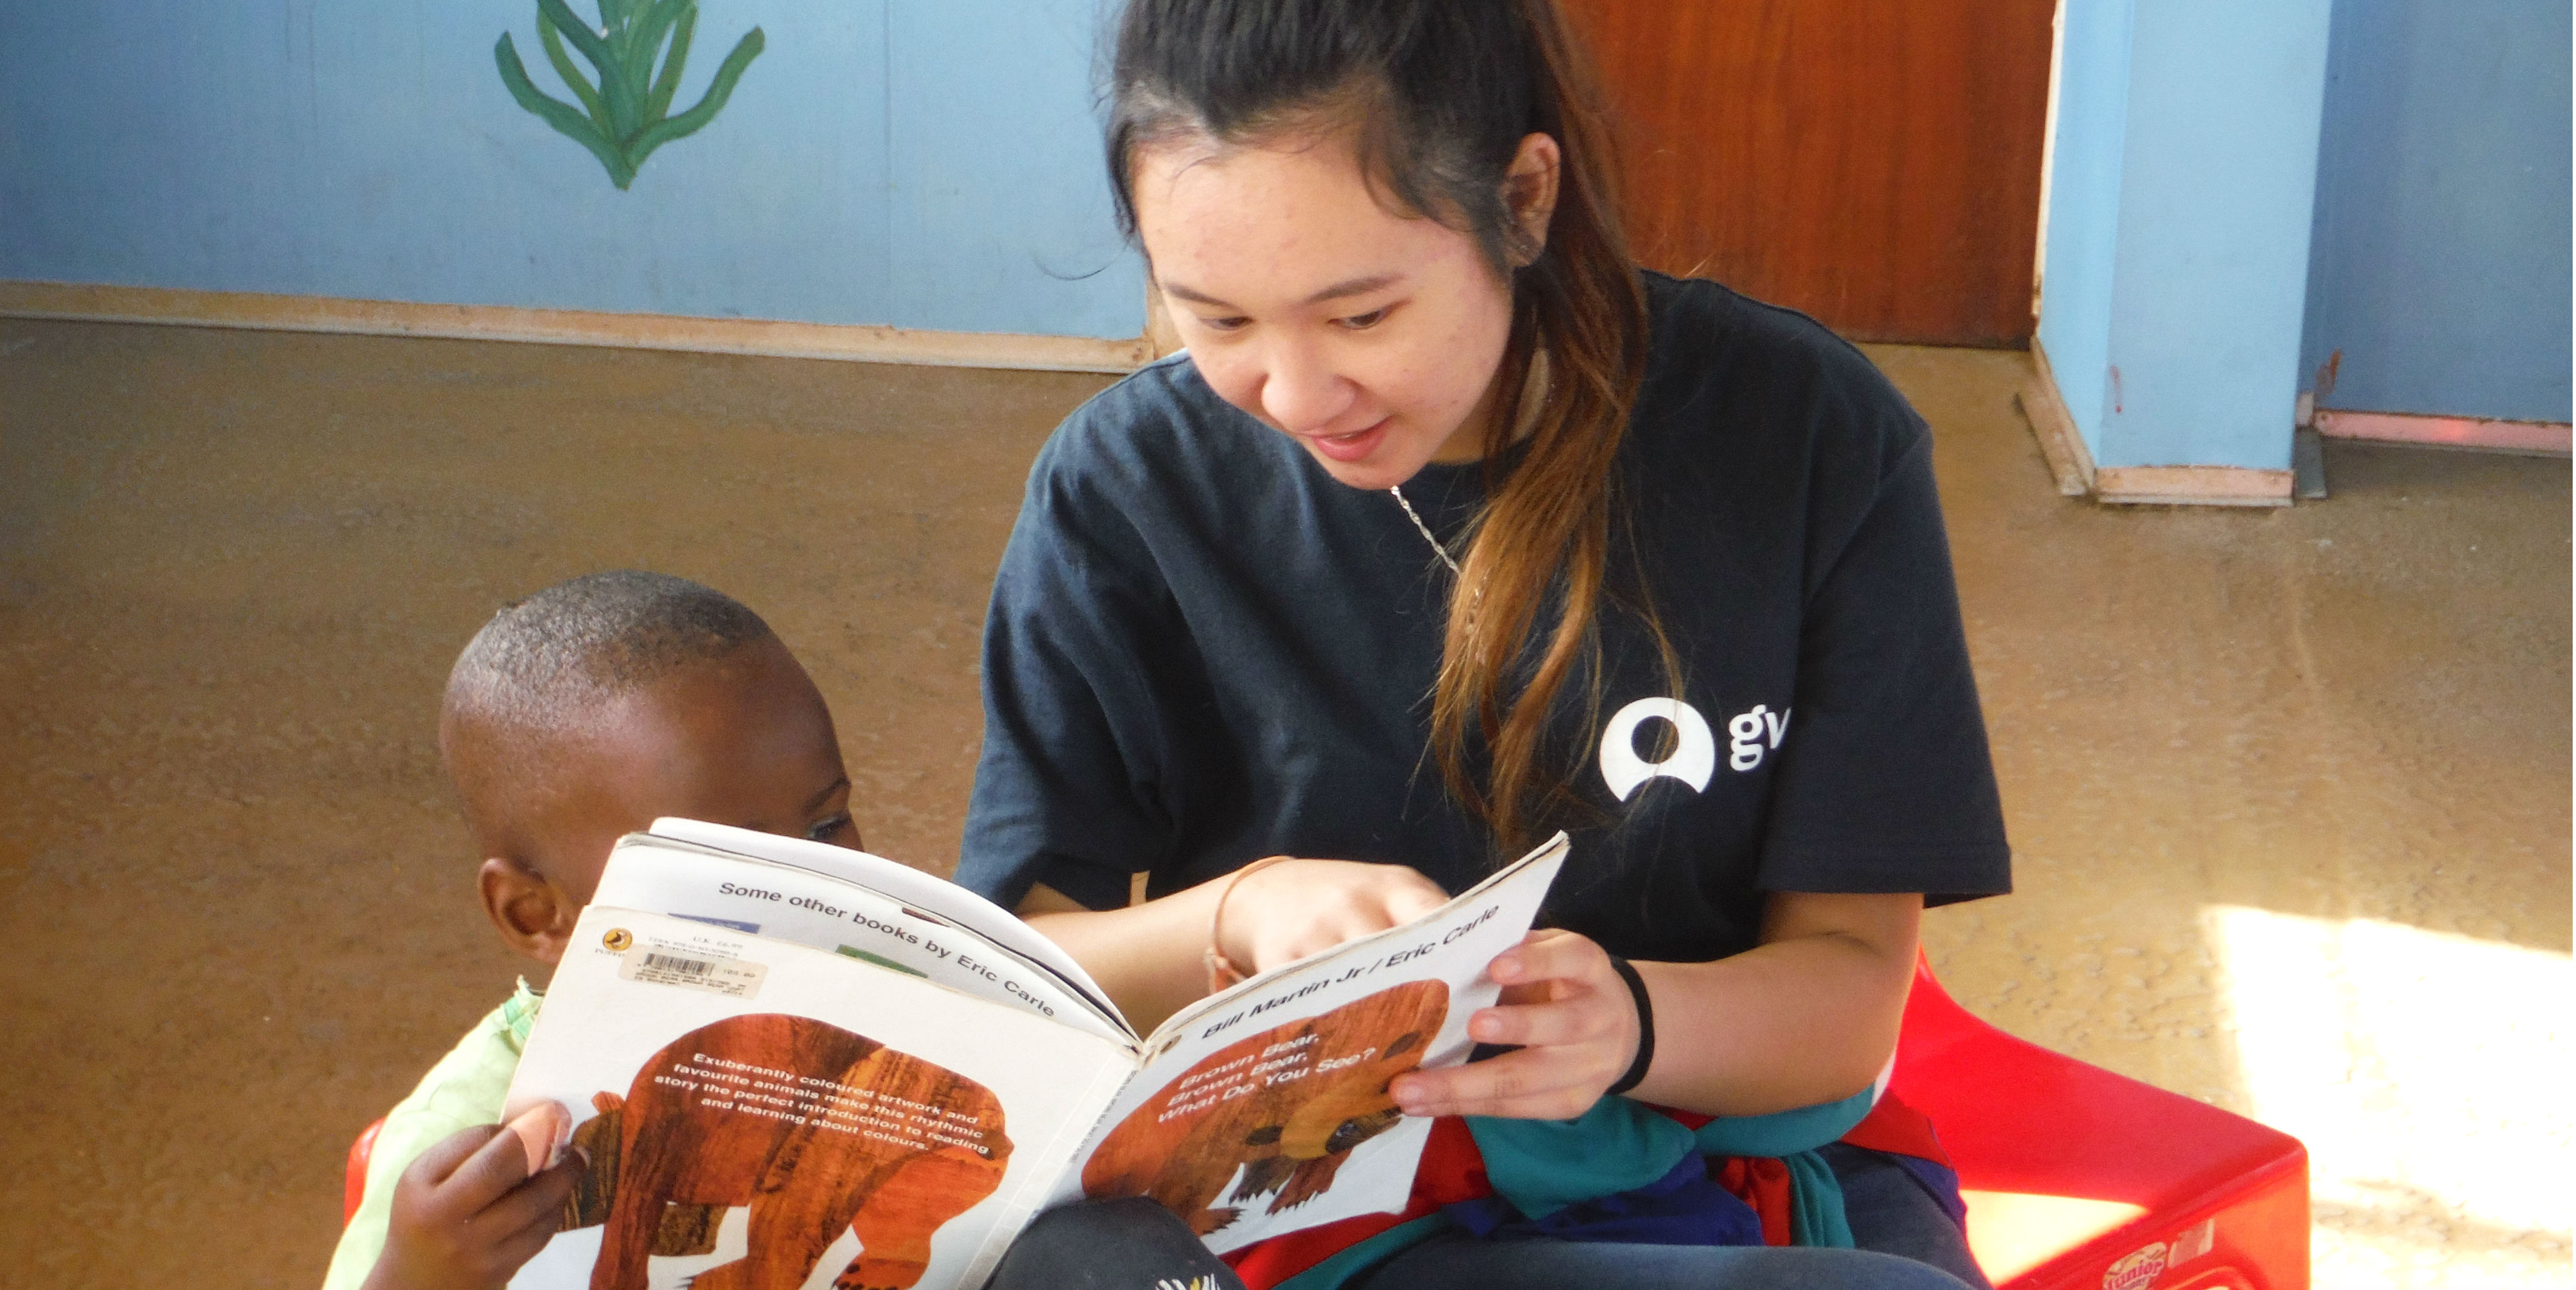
point(1437, 95)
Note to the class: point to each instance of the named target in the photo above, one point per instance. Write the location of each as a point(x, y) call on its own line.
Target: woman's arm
point(1808, 1016)
point(1152, 957)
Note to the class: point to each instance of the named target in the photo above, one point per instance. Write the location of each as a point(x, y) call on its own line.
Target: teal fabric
point(1784, 1133)
point(1542, 1166)
point(1792, 1137)
point(1815, 1203)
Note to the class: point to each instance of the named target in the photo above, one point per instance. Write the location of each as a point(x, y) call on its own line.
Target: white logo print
point(1746, 732)
point(1693, 759)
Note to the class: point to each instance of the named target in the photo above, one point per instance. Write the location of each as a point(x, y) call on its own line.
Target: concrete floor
point(2289, 789)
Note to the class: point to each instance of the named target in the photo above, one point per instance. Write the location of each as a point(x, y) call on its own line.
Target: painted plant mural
point(636, 54)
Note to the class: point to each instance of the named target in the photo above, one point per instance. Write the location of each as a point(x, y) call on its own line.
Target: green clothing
point(463, 1090)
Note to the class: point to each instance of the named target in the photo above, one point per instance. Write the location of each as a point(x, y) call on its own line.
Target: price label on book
point(660, 965)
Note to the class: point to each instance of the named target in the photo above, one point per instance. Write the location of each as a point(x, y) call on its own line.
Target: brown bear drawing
point(888, 1146)
point(1287, 1105)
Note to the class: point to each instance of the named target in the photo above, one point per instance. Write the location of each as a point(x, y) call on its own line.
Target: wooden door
point(1874, 163)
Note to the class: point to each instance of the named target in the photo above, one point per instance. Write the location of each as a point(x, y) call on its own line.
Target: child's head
point(580, 713)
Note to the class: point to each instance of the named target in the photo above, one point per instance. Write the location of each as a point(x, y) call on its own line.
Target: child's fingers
point(500, 1164)
point(540, 1129)
point(433, 1167)
point(537, 1200)
point(513, 1252)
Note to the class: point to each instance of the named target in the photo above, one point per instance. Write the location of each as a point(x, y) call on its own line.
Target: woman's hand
point(1152, 957)
point(466, 1214)
point(1576, 1025)
point(1292, 908)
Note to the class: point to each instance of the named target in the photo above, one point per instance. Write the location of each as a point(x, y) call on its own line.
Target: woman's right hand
point(1296, 907)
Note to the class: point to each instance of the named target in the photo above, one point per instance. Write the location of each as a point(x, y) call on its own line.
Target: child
point(575, 716)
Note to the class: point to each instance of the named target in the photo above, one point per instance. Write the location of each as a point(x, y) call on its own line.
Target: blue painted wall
point(2440, 264)
point(2181, 192)
point(2084, 205)
point(2218, 188)
point(921, 163)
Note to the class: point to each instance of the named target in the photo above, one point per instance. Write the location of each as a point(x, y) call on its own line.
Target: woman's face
point(1371, 338)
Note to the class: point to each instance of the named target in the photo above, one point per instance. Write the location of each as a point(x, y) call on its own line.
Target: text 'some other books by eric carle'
point(792, 1064)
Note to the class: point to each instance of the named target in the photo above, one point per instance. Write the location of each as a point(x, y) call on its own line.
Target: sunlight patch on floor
point(2427, 1075)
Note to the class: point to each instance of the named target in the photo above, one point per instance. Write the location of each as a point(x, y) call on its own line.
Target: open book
point(792, 1063)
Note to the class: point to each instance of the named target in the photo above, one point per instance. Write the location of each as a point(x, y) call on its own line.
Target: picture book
point(792, 1064)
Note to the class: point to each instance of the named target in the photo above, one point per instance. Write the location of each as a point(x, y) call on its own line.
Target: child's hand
point(467, 1215)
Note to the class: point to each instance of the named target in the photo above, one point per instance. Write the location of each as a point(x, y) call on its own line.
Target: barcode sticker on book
point(732, 978)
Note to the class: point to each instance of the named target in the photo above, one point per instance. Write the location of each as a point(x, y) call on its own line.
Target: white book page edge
point(903, 882)
point(796, 904)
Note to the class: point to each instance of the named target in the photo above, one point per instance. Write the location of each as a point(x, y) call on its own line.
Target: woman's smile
point(1354, 446)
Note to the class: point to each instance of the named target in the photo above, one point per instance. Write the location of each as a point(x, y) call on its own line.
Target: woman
point(1451, 529)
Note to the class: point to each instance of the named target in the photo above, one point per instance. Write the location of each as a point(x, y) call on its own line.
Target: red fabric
point(1762, 1183)
point(1453, 1170)
point(1898, 1129)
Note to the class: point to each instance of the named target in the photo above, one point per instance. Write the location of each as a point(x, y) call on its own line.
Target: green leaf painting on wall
point(626, 114)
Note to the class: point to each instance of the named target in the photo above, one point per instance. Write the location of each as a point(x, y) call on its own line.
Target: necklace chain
point(1425, 531)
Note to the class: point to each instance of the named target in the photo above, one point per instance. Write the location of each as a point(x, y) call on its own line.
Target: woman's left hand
point(1571, 1015)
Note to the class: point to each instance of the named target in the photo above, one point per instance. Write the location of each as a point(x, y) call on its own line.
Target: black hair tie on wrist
point(1645, 1028)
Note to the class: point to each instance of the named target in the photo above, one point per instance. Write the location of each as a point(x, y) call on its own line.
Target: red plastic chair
point(2078, 1179)
point(353, 1187)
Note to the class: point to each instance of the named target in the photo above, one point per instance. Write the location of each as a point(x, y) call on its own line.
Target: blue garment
point(1456, 1261)
point(1909, 1226)
point(1684, 1207)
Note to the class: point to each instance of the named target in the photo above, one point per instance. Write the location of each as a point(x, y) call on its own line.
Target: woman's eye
point(1362, 322)
point(1224, 324)
point(828, 828)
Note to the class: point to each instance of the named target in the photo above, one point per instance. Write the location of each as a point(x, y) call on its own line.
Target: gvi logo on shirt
point(1750, 735)
point(1746, 732)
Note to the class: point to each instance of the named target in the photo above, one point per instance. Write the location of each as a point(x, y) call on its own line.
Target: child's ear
point(533, 914)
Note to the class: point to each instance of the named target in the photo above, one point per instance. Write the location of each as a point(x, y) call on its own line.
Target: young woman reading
point(1452, 528)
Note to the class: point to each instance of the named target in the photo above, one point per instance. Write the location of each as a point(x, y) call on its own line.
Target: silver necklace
point(1425, 531)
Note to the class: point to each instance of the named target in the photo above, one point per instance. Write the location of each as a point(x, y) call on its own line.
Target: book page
point(906, 884)
point(800, 1114)
point(792, 903)
point(1264, 1110)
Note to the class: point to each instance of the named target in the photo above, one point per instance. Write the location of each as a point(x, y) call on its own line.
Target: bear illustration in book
point(1286, 1105)
point(815, 1128)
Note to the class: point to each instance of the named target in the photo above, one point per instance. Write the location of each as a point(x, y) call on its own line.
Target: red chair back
point(2079, 1179)
point(353, 1185)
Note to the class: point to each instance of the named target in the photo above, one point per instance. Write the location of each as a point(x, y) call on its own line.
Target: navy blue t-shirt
point(1202, 649)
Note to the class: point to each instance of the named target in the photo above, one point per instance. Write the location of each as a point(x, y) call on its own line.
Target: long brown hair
point(1439, 95)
